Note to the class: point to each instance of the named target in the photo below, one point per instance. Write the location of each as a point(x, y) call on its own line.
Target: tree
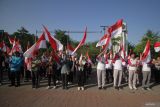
point(62, 37)
point(153, 37)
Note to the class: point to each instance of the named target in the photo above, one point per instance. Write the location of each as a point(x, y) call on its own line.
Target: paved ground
point(25, 96)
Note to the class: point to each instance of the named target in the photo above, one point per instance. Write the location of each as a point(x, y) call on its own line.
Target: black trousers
point(35, 79)
point(109, 75)
point(80, 78)
point(64, 81)
point(53, 78)
point(70, 77)
point(28, 75)
point(15, 75)
point(157, 75)
point(1, 74)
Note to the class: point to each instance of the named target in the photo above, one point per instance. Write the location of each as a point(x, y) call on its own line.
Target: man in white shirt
point(132, 72)
point(117, 74)
point(146, 71)
point(101, 73)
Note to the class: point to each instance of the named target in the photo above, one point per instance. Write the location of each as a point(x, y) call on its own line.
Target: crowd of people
point(77, 70)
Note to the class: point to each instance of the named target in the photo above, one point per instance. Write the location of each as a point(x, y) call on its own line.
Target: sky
point(75, 15)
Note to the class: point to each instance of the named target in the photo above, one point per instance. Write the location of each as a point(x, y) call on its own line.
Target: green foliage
point(153, 37)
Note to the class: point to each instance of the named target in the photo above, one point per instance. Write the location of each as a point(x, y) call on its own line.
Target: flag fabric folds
point(55, 43)
point(41, 43)
point(81, 42)
point(102, 41)
point(116, 29)
point(146, 55)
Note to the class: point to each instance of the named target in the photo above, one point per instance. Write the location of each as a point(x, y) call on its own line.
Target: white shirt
point(118, 64)
point(133, 62)
point(109, 65)
point(101, 64)
point(145, 67)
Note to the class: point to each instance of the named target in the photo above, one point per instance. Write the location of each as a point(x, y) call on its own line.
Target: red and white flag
point(55, 57)
point(16, 47)
point(11, 40)
point(122, 52)
point(70, 49)
point(82, 42)
point(41, 43)
point(107, 45)
point(88, 58)
point(55, 43)
point(146, 55)
point(4, 47)
point(28, 60)
point(102, 41)
point(157, 46)
point(116, 29)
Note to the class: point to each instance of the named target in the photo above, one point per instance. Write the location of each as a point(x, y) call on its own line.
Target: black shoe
point(120, 88)
point(10, 85)
point(99, 88)
point(103, 88)
point(116, 88)
point(16, 85)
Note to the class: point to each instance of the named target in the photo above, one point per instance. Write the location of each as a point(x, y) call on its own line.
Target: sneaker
point(134, 88)
point(54, 87)
point(143, 88)
point(69, 83)
point(82, 88)
point(99, 88)
point(130, 87)
point(79, 88)
point(149, 89)
point(48, 87)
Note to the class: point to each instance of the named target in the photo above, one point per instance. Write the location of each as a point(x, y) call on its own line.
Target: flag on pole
point(107, 45)
point(157, 46)
point(70, 49)
point(122, 52)
point(116, 29)
point(102, 41)
point(41, 43)
point(55, 43)
point(16, 47)
point(88, 58)
point(146, 55)
point(81, 42)
point(28, 60)
point(55, 57)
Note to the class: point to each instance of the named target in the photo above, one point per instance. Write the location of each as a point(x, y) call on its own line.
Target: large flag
point(157, 46)
point(41, 43)
point(55, 43)
point(116, 29)
point(82, 42)
point(146, 55)
point(102, 41)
